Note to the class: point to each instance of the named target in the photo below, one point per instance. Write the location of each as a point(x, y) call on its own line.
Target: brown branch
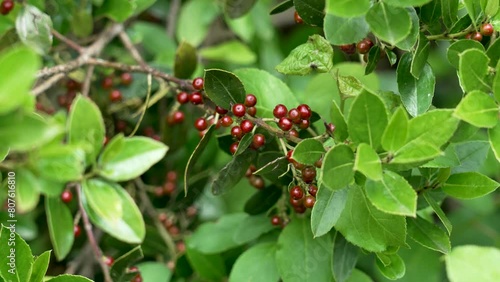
point(131, 48)
point(172, 17)
point(87, 81)
point(67, 41)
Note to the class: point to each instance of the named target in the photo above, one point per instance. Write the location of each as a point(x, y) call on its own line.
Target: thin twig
point(131, 48)
point(67, 41)
point(145, 109)
point(87, 81)
point(172, 17)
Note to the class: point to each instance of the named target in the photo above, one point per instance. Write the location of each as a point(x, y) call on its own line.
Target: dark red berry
point(319, 163)
point(236, 132)
point(297, 18)
point(251, 169)
point(6, 7)
point(293, 133)
point(182, 97)
point(108, 260)
point(363, 46)
point(296, 203)
point(220, 110)
point(66, 196)
point(250, 100)
point(149, 131)
point(285, 124)
point(172, 176)
point(107, 83)
point(308, 174)
point(294, 115)
point(289, 155)
point(191, 211)
point(309, 201)
point(313, 190)
point(162, 217)
point(158, 191)
point(252, 111)
point(106, 140)
point(226, 121)
point(234, 147)
point(246, 126)
point(280, 111)
point(258, 141)
point(298, 165)
point(196, 98)
point(348, 48)
point(120, 125)
point(62, 100)
point(276, 220)
point(257, 181)
point(176, 118)
point(137, 278)
point(72, 85)
point(239, 110)
point(115, 95)
point(126, 78)
point(296, 193)
point(169, 188)
point(468, 36)
point(180, 246)
point(198, 83)
point(487, 29)
point(305, 111)
point(156, 137)
point(476, 36)
point(173, 230)
point(330, 128)
point(299, 209)
point(77, 231)
point(200, 124)
point(304, 124)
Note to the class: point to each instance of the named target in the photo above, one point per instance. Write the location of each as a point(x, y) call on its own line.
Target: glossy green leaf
point(20, 270)
point(281, 7)
point(338, 30)
point(449, 11)
point(359, 276)
point(473, 263)
point(113, 210)
point(272, 165)
point(263, 200)
point(389, 23)
point(472, 70)
point(478, 109)
point(365, 226)
point(439, 212)
point(256, 264)
point(337, 169)
point(367, 119)
point(393, 194)
point(224, 88)
point(461, 24)
point(251, 228)
point(431, 12)
point(308, 151)
point(126, 158)
point(237, 8)
point(60, 163)
point(368, 162)
point(490, 7)
point(391, 56)
point(469, 185)
point(473, 8)
point(395, 269)
point(396, 132)
point(327, 209)
point(60, 223)
point(373, 59)
point(315, 253)
point(472, 155)
point(245, 142)
point(416, 94)
point(459, 47)
point(86, 127)
point(428, 235)
point(230, 52)
point(154, 271)
point(40, 266)
point(409, 42)
point(448, 159)
point(186, 60)
point(493, 53)
point(311, 11)
point(315, 55)
point(69, 278)
point(210, 267)
point(494, 139)
point(345, 256)
point(216, 237)
point(347, 8)
point(233, 172)
point(116, 10)
point(194, 32)
point(34, 29)
point(195, 156)
point(18, 67)
point(338, 120)
point(27, 194)
point(120, 266)
point(420, 56)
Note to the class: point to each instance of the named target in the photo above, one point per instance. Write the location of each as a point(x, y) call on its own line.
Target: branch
point(172, 17)
point(67, 41)
point(131, 48)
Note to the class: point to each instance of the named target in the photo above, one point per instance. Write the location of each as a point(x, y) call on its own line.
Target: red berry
point(198, 83)
point(108, 260)
point(191, 211)
point(294, 115)
point(239, 110)
point(293, 133)
point(289, 155)
point(476, 36)
point(182, 97)
point(137, 278)
point(158, 191)
point(246, 126)
point(77, 231)
point(196, 98)
point(304, 124)
point(364, 46)
point(308, 174)
point(120, 125)
point(348, 48)
point(126, 78)
point(296, 193)
point(176, 118)
point(468, 36)
point(156, 137)
point(180, 246)
point(107, 83)
point(285, 124)
point(257, 181)
point(162, 217)
point(309, 201)
point(296, 203)
point(149, 131)
point(200, 124)
point(250, 100)
point(106, 140)
point(6, 7)
point(305, 111)
point(276, 220)
point(313, 190)
point(236, 132)
point(330, 128)
point(226, 121)
point(66, 196)
point(172, 176)
point(280, 111)
point(487, 29)
point(220, 110)
point(62, 100)
point(173, 230)
point(319, 163)
point(72, 85)
point(297, 18)
point(251, 169)
point(115, 95)
point(169, 188)
point(299, 209)
point(258, 141)
point(234, 147)
point(252, 111)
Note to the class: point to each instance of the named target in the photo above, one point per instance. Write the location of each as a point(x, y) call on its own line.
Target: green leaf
point(82, 23)
point(367, 119)
point(34, 29)
point(60, 163)
point(86, 127)
point(473, 263)
point(389, 23)
point(416, 94)
point(396, 132)
point(338, 30)
point(127, 158)
point(210, 267)
point(27, 194)
point(368, 162)
point(195, 156)
point(431, 12)
point(313, 250)
point(420, 56)
point(194, 32)
point(308, 151)
point(337, 169)
point(237, 8)
point(116, 10)
point(409, 42)
point(449, 11)
point(393, 195)
point(263, 200)
point(428, 235)
point(494, 139)
point(154, 271)
point(233, 172)
point(113, 210)
point(473, 8)
point(40, 266)
point(18, 67)
point(490, 7)
point(365, 226)
point(154, 40)
point(327, 209)
point(213, 238)
point(473, 68)
point(345, 256)
point(373, 59)
point(439, 212)
point(230, 52)
point(459, 47)
point(469, 185)
point(448, 159)
point(349, 86)
point(69, 278)
point(472, 155)
point(391, 56)
point(395, 269)
point(315, 55)
point(359, 276)
point(272, 165)
point(256, 264)
point(311, 11)
point(251, 228)
point(281, 7)
point(478, 109)
point(347, 8)
point(60, 224)
point(493, 52)
point(496, 83)
point(338, 120)
point(20, 270)
point(224, 88)
point(245, 142)
point(186, 60)
point(120, 266)
point(406, 3)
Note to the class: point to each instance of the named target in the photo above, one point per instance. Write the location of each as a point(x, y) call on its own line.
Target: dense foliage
point(200, 140)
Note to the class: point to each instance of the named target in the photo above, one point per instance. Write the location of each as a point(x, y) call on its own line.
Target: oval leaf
point(308, 151)
point(429, 235)
point(368, 162)
point(337, 168)
point(473, 263)
point(478, 109)
point(60, 223)
point(327, 209)
point(233, 172)
point(34, 29)
point(256, 264)
point(224, 88)
point(469, 185)
point(389, 23)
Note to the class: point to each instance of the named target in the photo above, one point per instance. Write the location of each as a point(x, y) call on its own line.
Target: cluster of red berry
point(294, 119)
point(108, 83)
point(67, 197)
point(6, 6)
point(486, 30)
point(363, 47)
point(196, 98)
point(255, 180)
point(245, 126)
point(169, 186)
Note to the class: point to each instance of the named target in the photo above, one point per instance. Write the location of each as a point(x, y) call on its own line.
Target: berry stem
point(445, 36)
point(278, 133)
